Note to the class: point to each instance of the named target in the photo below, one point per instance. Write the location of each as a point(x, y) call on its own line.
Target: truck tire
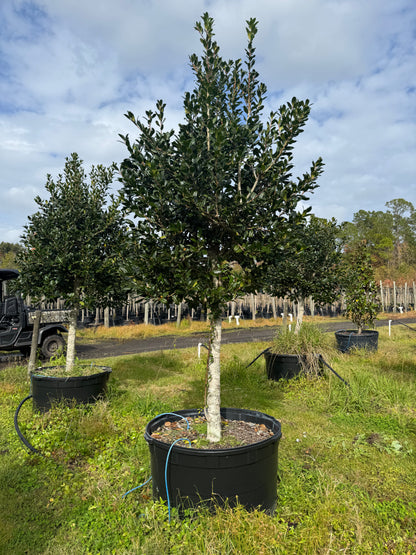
point(51, 345)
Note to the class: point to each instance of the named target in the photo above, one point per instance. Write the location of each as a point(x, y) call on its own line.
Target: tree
point(73, 245)
point(312, 270)
point(403, 215)
point(214, 200)
point(360, 287)
point(390, 237)
point(376, 228)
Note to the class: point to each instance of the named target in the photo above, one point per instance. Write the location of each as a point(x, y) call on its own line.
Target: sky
point(71, 69)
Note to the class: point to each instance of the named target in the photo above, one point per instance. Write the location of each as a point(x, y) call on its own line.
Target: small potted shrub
point(293, 353)
point(362, 304)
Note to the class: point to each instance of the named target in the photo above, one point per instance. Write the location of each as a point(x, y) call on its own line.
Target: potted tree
point(71, 250)
point(311, 270)
point(213, 202)
point(361, 300)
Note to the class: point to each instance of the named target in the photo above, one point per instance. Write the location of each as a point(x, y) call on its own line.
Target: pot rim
point(355, 332)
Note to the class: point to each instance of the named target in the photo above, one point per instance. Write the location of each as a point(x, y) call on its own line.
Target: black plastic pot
point(47, 390)
point(285, 366)
point(282, 366)
point(247, 474)
point(350, 339)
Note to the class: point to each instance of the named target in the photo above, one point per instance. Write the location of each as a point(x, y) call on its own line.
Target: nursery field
point(347, 459)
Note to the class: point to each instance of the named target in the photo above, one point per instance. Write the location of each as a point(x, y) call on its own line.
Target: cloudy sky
point(70, 69)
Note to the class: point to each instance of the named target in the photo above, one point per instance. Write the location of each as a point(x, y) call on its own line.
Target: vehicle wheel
point(51, 345)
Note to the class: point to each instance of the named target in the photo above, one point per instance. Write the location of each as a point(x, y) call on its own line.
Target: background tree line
point(390, 238)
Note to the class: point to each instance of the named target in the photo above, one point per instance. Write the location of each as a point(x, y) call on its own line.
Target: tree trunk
point(34, 346)
point(300, 313)
point(107, 317)
point(146, 313)
point(284, 320)
point(253, 306)
point(382, 297)
point(179, 315)
point(274, 308)
point(312, 306)
point(70, 348)
point(214, 386)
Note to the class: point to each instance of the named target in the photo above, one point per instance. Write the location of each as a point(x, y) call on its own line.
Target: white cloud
point(69, 70)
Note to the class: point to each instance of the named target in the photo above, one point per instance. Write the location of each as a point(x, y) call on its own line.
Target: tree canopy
point(312, 269)
point(73, 245)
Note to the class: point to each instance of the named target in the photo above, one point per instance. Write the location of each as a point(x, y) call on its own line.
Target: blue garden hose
point(167, 461)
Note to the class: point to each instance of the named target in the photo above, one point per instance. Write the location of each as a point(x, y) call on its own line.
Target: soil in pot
point(350, 339)
point(243, 469)
point(84, 389)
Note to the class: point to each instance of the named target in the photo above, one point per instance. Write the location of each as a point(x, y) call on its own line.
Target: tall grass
point(347, 459)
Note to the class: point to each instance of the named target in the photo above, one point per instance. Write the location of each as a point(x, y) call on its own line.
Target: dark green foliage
point(72, 246)
point(216, 199)
point(360, 287)
point(313, 269)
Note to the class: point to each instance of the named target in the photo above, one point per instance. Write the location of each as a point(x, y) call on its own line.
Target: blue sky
point(71, 69)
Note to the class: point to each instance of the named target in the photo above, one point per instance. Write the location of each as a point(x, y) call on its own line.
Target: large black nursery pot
point(47, 390)
point(350, 339)
point(247, 474)
point(282, 366)
point(285, 366)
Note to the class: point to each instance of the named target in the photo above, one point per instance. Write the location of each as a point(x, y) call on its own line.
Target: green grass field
point(347, 459)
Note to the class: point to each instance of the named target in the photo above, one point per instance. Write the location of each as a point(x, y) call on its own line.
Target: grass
point(347, 462)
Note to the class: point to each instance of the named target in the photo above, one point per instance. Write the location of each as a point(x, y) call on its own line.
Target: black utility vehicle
point(16, 323)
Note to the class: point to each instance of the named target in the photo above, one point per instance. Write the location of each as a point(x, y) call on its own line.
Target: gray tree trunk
point(179, 315)
point(213, 413)
point(107, 317)
point(34, 346)
point(70, 348)
point(312, 306)
point(382, 296)
point(284, 320)
point(253, 306)
point(274, 308)
point(300, 313)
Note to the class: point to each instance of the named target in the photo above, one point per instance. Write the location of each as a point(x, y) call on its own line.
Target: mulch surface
point(235, 433)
